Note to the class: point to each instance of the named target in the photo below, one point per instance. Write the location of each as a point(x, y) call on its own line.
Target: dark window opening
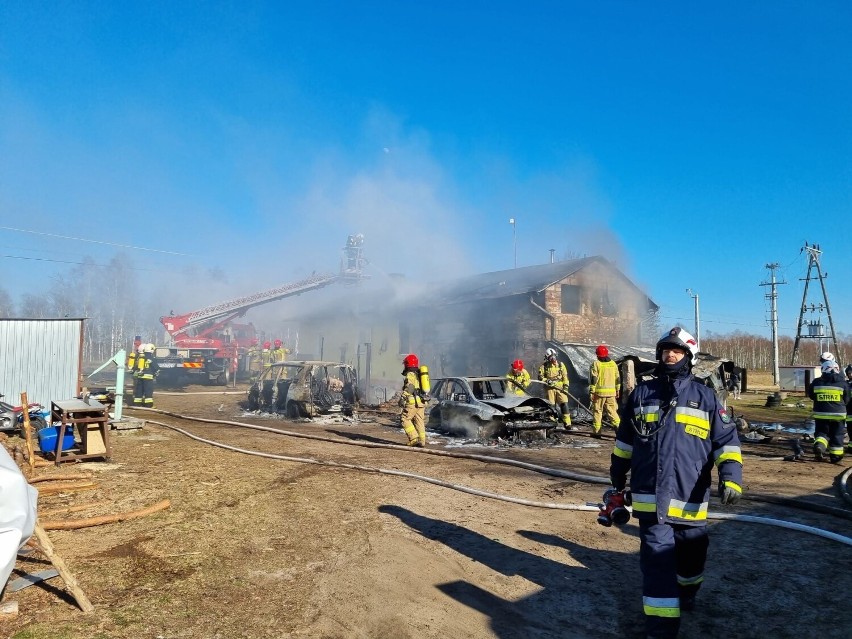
point(571, 299)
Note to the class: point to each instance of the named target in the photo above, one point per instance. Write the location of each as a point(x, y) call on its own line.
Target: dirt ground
point(307, 547)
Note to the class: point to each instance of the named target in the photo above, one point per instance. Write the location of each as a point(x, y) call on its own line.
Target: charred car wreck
point(483, 408)
point(305, 389)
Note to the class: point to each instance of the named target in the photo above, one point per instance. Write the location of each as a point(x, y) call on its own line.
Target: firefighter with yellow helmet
point(555, 377)
point(412, 400)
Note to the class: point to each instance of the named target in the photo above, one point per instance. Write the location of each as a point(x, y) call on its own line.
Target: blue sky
point(691, 144)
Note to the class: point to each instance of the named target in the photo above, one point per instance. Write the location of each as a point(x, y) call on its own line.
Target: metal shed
point(43, 357)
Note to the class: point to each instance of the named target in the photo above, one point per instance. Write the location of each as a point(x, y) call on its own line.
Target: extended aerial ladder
point(204, 342)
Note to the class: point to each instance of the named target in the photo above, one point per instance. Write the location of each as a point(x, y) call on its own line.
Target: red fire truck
point(206, 346)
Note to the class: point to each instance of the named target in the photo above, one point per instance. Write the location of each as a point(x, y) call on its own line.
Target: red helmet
point(602, 351)
point(254, 342)
point(410, 361)
point(517, 365)
point(277, 343)
point(266, 345)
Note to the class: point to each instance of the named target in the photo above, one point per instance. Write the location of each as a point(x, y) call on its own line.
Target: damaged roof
point(581, 357)
point(518, 281)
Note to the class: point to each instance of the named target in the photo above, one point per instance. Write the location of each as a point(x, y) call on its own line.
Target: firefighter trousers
point(556, 396)
point(413, 419)
point(828, 437)
point(672, 559)
point(138, 392)
point(147, 393)
point(608, 405)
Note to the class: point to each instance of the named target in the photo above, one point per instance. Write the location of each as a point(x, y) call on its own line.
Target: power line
point(82, 239)
point(45, 259)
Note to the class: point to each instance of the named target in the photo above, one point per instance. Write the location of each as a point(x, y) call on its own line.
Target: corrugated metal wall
point(41, 357)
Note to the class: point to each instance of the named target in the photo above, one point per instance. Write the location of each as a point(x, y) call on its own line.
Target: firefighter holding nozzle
point(673, 431)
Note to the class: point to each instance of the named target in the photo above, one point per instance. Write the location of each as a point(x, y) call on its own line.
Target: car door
point(458, 403)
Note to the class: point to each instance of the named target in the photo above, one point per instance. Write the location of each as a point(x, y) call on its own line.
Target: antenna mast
point(815, 328)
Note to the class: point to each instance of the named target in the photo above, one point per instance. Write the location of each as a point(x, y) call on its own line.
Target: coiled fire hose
point(466, 489)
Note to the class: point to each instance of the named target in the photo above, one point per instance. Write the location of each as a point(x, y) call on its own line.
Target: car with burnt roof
point(305, 389)
point(485, 407)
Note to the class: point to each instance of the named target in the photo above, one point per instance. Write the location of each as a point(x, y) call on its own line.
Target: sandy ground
point(267, 547)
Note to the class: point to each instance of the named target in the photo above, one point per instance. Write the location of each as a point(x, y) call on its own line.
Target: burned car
point(305, 389)
point(483, 407)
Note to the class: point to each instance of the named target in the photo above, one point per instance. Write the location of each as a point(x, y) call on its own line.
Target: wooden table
point(90, 419)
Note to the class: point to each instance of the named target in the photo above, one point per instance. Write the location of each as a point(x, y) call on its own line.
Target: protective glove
point(729, 493)
point(402, 402)
point(618, 482)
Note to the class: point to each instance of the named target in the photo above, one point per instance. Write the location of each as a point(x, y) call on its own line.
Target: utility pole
point(815, 328)
point(552, 251)
point(773, 298)
point(694, 296)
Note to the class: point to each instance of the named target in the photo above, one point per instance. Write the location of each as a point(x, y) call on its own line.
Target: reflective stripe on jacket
point(554, 374)
point(411, 387)
point(671, 470)
point(604, 380)
point(518, 381)
point(830, 393)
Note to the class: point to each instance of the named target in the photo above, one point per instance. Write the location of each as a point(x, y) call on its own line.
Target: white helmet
point(826, 357)
point(830, 366)
point(678, 338)
point(550, 352)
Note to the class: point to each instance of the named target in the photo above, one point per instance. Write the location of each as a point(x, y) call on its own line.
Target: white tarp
point(17, 513)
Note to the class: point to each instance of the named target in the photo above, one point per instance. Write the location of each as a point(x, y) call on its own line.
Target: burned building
point(476, 325)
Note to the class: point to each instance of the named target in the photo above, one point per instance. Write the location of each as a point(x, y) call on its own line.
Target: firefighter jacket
point(518, 381)
point(604, 378)
point(689, 431)
point(412, 395)
point(278, 354)
point(830, 393)
point(266, 358)
point(146, 366)
point(554, 375)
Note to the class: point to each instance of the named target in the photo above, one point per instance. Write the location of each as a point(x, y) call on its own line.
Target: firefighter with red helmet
point(555, 377)
point(518, 378)
point(415, 389)
point(673, 431)
point(279, 352)
point(604, 389)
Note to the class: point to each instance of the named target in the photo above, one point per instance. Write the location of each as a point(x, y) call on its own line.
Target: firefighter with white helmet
point(518, 377)
point(673, 431)
point(555, 377)
point(826, 357)
point(830, 394)
point(604, 389)
point(146, 370)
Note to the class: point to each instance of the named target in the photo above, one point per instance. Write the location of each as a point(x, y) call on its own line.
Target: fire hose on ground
point(466, 489)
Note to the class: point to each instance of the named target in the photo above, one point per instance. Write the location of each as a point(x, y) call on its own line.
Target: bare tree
point(7, 307)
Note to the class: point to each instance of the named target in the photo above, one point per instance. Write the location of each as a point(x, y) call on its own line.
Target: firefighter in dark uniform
point(147, 373)
point(848, 371)
point(673, 431)
point(830, 393)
